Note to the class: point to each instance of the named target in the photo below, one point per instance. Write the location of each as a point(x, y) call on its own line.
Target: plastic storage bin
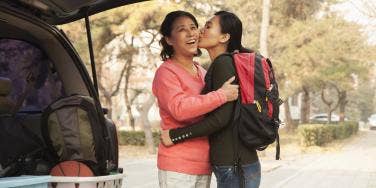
point(25, 182)
point(109, 181)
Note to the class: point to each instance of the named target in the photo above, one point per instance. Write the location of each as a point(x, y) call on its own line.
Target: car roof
point(56, 12)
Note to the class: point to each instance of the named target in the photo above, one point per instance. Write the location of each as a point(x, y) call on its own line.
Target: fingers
point(236, 87)
point(230, 90)
point(165, 138)
point(233, 96)
point(229, 81)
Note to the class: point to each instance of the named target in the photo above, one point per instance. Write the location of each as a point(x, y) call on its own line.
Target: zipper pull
point(258, 106)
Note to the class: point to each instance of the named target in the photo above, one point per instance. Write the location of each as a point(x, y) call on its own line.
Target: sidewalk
point(143, 173)
point(141, 167)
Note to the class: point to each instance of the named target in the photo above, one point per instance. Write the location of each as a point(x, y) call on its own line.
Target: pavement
point(354, 166)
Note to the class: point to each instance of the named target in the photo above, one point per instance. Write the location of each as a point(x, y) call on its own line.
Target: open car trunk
point(57, 12)
point(39, 66)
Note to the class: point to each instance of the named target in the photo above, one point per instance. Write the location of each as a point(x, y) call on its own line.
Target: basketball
point(71, 168)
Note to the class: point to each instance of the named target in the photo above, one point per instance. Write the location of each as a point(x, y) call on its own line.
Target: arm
point(183, 106)
point(219, 118)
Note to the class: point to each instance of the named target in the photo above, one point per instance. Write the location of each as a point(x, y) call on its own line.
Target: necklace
point(191, 68)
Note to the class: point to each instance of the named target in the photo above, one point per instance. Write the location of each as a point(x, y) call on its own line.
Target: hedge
point(136, 138)
point(320, 134)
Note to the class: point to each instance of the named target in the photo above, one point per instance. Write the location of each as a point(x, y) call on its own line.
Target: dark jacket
point(218, 123)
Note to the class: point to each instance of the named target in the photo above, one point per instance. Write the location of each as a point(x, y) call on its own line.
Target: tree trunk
point(329, 103)
point(128, 69)
point(290, 125)
point(127, 100)
point(109, 106)
point(342, 105)
point(144, 111)
point(329, 116)
point(305, 108)
point(264, 28)
point(129, 110)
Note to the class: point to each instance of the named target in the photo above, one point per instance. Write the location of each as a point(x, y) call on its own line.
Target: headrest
point(6, 105)
point(5, 86)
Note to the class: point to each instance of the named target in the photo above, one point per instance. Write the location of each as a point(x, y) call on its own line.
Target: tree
point(264, 28)
point(144, 112)
point(102, 35)
point(366, 97)
point(250, 13)
point(285, 15)
point(317, 51)
point(116, 25)
point(331, 104)
point(305, 109)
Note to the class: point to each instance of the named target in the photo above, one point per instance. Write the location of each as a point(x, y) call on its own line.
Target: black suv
point(38, 65)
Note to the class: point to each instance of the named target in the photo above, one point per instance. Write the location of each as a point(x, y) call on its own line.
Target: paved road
point(352, 167)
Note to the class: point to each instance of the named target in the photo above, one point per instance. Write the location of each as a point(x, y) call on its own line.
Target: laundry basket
point(25, 182)
point(109, 181)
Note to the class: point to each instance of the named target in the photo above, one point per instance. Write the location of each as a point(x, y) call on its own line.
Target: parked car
point(372, 122)
point(323, 118)
point(38, 66)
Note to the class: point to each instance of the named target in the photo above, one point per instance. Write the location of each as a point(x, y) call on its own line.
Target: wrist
point(176, 136)
point(221, 94)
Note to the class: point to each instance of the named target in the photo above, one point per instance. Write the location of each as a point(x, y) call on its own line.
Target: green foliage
point(305, 48)
point(366, 97)
point(318, 51)
point(321, 134)
point(136, 138)
point(250, 13)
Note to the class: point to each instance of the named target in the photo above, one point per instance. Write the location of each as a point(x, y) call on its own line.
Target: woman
point(221, 36)
point(177, 85)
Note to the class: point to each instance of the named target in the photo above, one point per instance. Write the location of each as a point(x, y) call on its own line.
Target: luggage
point(256, 115)
point(73, 130)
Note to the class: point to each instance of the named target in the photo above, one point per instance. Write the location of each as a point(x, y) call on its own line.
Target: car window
point(20, 60)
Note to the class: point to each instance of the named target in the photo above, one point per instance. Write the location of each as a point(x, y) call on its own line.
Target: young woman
point(221, 35)
point(177, 85)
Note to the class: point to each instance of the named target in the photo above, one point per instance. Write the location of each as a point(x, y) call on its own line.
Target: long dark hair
point(165, 31)
point(231, 24)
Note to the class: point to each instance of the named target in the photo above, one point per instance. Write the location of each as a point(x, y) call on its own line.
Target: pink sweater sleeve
point(182, 105)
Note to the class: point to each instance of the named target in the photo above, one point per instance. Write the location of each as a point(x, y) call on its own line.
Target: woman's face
point(184, 36)
point(210, 35)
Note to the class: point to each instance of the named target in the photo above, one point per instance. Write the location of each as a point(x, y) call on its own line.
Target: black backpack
point(73, 130)
point(256, 113)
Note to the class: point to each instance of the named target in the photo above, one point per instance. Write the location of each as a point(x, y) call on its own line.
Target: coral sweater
point(180, 104)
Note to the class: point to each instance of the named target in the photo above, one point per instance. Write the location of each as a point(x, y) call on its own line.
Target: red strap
point(245, 68)
point(266, 70)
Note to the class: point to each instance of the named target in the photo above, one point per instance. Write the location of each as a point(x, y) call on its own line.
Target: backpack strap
point(273, 102)
point(235, 132)
point(273, 96)
point(235, 135)
point(236, 156)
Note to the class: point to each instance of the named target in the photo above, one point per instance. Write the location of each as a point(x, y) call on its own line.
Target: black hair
point(231, 24)
point(165, 31)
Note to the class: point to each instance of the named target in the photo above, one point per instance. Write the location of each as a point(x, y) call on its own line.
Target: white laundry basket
point(25, 182)
point(109, 181)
